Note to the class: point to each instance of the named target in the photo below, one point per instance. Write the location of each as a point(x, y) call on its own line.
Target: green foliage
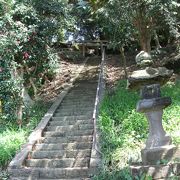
point(129, 22)
point(86, 26)
point(124, 131)
point(171, 116)
point(27, 32)
point(123, 174)
point(10, 141)
point(120, 124)
point(11, 137)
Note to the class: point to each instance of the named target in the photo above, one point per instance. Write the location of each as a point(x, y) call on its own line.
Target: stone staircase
point(64, 150)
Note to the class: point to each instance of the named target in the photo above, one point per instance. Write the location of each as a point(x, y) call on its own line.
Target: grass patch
point(12, 137)
point(124, 131)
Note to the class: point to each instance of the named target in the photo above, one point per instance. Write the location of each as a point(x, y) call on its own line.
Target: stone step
point(70, 122)
point(81, 103)
point(75, 110)
point(70, 127)
point(60, 154)
point(85, 86)
point(73, 94)
point(68, 179)
point(58, 163)
point(71, 118)
point(51, 173)
point(88, 87)
point(78, 102)
point(81, 94)
point(75, 106)
point(71, 133)
point(32, 178)
point(64, 146)
point(71, 113)
point(66, 139)
point(84, 90)
point(79, 97)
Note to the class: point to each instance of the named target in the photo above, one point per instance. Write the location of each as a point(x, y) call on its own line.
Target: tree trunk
point(144, 27)
point(158, 46)
point(145, 40)
point(32, 83)
point(124, 61)
point(21, 95)
point(27, 99)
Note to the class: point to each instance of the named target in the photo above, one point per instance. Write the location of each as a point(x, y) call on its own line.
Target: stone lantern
point(159, 144)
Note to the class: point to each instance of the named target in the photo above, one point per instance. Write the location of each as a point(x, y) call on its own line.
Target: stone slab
point(71, 133)
point(148, 76)
point(156, 171)
point(159, 154)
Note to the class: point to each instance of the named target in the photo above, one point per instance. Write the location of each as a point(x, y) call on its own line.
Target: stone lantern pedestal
point(158, 142)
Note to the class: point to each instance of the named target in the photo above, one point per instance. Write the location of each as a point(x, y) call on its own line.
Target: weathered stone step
point(81, 94)
point(51, 173)
point(78, 102)
point(60, 154)
point(71, 113)
point(70, 122)
point(71, 118)
point(68, 179)
point(58, 163)
point(83, 90)
point(92, 86)
point(84, 109)
point(64, 146)
point(75, 108)
point(71, 133)
point(79, 97)
point(85, 86)
point(70, 127)
point(78, 105)
point(66, 139)
point(32, 178)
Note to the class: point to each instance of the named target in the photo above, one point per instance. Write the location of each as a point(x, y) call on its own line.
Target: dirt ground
point(68, 69)
point(115, 70)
